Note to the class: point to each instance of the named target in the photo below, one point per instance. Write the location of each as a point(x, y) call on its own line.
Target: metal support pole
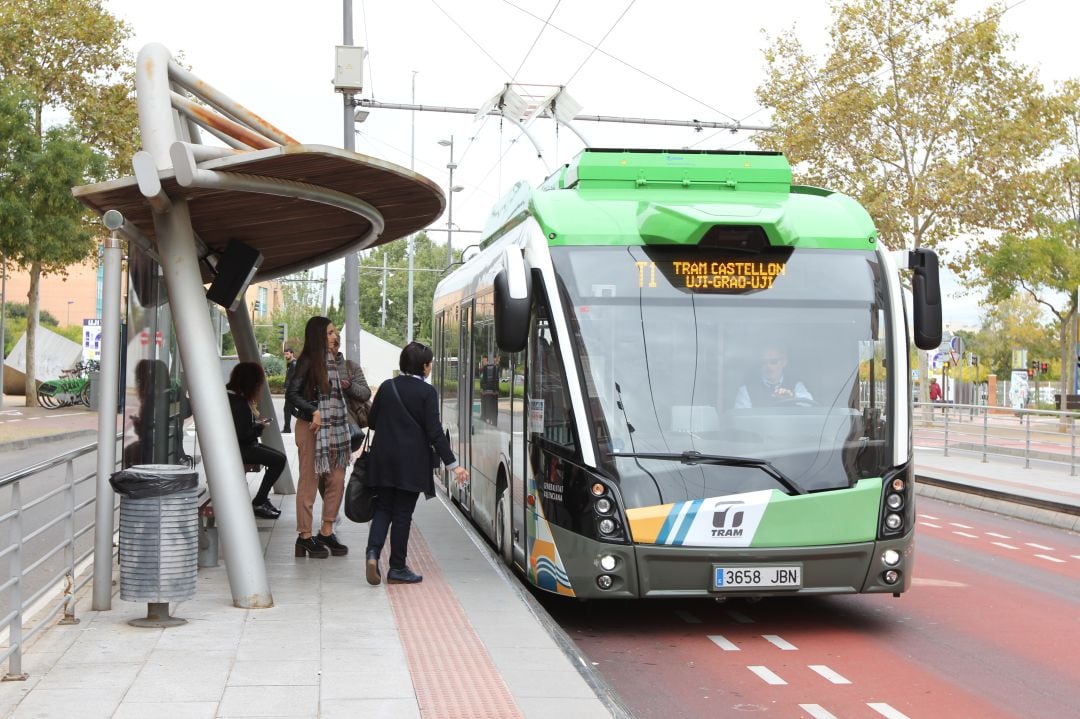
point(411, 249)
point(351, 277)
point(450, 208)
point(15, 593)
point(1072, 445)
point(986, 430)
point(382, 322)
point(69, 545)
point(247, 350)
point(945, 409)
point(244, 562)
point(1027, 442)
point(109, 389)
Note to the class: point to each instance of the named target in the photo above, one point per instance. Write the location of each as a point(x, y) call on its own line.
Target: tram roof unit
point(634, 197)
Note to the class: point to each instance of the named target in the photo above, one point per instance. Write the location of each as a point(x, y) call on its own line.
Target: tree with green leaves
point(1038, 254)
point(1015, 323)
point(48, 232)
point(918, 114)
point(66, 56)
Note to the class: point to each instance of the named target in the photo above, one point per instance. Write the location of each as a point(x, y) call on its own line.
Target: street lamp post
point(450, 202)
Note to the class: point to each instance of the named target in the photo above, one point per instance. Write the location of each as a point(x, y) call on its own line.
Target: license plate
point(768, 576)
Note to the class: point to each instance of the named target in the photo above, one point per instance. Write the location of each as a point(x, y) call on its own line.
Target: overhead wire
point(624, 62)
point(535, 40)
point(367, 43)
point(471, 38)
point(597, 47)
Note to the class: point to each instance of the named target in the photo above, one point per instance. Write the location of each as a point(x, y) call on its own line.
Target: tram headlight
point(890, 557)
point(603, 505)
point(894, 501)
point(890, 576)
point(607, 562)
point(607, 526)
point(898, 484)
point(893, 521)
point(597, 489)
point(604, 581)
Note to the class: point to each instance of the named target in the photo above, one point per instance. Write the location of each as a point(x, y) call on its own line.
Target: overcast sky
point(676, 59)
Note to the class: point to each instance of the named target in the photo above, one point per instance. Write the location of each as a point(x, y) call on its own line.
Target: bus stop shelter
point(290, 205)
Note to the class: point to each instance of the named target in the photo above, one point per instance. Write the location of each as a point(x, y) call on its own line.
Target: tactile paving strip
point(452, 673)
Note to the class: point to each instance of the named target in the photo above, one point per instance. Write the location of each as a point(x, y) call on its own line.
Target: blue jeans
point(393, 512)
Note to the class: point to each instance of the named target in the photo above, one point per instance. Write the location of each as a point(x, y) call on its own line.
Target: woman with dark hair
point(322, 438)
point(408, 434)
point(245, 383)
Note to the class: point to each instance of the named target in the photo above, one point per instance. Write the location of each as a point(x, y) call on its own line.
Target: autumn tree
point(916, 113)
point(1038, 254)
point(429, 261)
point(67, 57)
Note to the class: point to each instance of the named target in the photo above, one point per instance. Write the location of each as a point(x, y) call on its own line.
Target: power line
point(535, 40)
point(593, 51)
point(624, 62)
point(465, 32)
point(367, 43)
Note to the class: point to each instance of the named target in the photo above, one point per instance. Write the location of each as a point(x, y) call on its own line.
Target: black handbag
point(359, 495)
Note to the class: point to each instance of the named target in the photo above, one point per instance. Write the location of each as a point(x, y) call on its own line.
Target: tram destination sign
point(729, 276)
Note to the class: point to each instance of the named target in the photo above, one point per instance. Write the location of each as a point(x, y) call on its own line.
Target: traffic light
point(281, 332)
point(948, 364)
point(1031, 373)
point(1034, 368)
point(1042, 368)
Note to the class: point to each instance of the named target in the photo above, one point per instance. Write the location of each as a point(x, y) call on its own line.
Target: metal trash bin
point(95, 389)
point(159, 538)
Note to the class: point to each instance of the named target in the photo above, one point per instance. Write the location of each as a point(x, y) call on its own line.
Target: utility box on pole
point(349, 69)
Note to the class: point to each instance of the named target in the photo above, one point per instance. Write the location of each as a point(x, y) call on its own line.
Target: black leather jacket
point(296, 392)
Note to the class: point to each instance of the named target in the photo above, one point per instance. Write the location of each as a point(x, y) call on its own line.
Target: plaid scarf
point(332, 440)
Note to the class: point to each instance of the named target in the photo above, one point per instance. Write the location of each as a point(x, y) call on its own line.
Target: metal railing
point(64, 581)
point(1045, 436)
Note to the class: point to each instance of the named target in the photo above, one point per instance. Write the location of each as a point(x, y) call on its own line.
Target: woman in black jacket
point(245, 383)
point(322, 438)
point(405, 417)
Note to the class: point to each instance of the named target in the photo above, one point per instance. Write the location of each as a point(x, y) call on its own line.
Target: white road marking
point(723, 643)
point(1040, 546)
point(687, 617)
point(886, 711)
point(739, 617)
point(829, 674)
point(781, 643)
point(965, 534)
point(1002, 544)
point(928, 516)
point(817, 711)
point(1050, 559)
point(962, 526)
point(999, 536)
point(930, 524)
point(766, 675)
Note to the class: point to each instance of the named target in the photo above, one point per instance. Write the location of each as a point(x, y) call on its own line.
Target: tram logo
point(726, 522)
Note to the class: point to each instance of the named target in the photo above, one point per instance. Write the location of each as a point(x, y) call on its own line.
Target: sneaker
point(336, 548)
point(311, 548)
point(403, 576)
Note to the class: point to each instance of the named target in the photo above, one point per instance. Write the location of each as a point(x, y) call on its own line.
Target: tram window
point(549, 400)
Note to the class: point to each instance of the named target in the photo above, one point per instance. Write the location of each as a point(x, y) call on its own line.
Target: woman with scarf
point(322, 438)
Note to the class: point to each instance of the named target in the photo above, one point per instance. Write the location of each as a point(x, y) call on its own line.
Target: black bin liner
point(153, 480)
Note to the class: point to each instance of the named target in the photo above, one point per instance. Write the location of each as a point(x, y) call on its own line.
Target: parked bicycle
point(71, 388)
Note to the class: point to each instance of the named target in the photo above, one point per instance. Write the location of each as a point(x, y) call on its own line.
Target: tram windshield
point(771, 366)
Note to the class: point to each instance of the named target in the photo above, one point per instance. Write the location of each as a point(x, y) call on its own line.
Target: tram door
point(466, 373)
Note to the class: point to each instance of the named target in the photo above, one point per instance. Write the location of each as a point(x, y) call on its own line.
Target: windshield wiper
point(693, 457)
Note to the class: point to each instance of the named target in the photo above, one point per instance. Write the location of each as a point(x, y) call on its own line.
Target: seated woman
point(244, 385)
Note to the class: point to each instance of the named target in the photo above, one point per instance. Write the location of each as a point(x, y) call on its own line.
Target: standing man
point(290, 365)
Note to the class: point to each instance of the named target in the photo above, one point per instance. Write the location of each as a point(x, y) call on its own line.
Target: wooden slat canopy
point(291, 234)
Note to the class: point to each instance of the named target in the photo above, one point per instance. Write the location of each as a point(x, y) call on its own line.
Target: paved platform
point(469, 641)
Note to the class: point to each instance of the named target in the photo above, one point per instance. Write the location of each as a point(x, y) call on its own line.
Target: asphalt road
point(989, 629)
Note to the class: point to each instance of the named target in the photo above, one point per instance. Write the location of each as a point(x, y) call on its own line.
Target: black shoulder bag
point(434, 459)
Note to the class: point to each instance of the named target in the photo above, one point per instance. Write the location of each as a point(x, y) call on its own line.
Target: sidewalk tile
point(166, 710)
point(267, 701)
point(273, 673)
point(370, 709)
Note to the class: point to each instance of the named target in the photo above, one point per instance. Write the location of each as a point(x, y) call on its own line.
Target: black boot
point(265, 510)
point(374, 575)
point(336, 548)
point(311, 548)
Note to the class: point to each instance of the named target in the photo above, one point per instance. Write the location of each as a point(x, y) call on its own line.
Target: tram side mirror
point(925, 298)
point(513, 301)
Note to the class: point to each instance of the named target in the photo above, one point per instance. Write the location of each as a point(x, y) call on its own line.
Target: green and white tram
point(633, 444)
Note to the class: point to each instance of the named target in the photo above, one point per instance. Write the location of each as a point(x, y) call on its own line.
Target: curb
point(1041, 511)
point(28, 442)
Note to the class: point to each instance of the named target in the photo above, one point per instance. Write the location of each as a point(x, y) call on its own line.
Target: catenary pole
point(352, 261)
